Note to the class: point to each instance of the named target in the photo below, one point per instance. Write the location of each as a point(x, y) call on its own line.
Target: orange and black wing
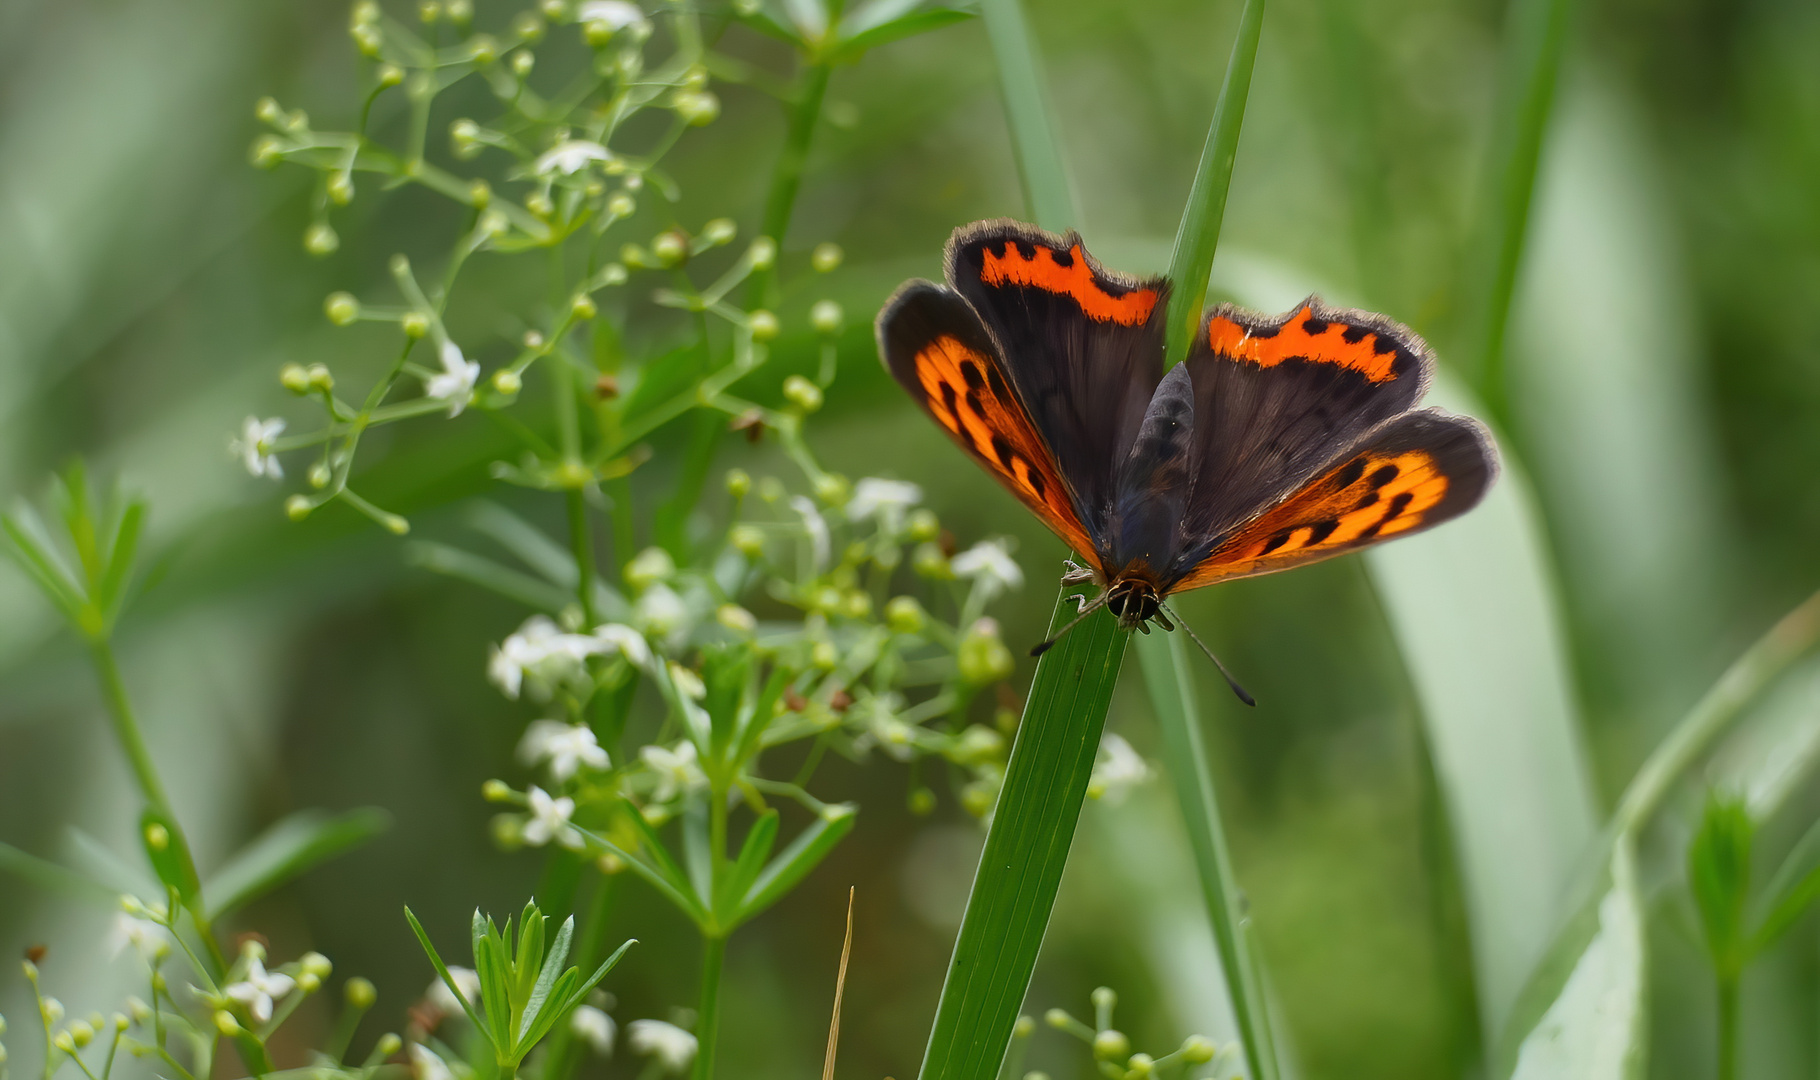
point(1414, 472)
point(936, 347)
point(1276, 398)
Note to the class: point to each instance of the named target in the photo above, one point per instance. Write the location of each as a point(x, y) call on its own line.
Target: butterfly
point(1278, 442)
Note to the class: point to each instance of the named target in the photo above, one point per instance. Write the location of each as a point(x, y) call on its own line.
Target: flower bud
point(226, 1024)
point(1105, 997)
point(832, 488)
point(982, 656)
point(316, 964)
point(268, 111)
point(857, 604)
point(826, 257)
point(649, 567)
point(538, 203)
point(267, 152)
point(1024, 1028)
point(341, 308)
point(802, 393)
point(736, 618)
point(904, 615)
point(394, 524)
point(620, 205)
point(670, 248)
point(459, 11)
point(738, 483)
point(295, 378)
point(508, 831)
point(720, 231)
point(340, 187)
point(389, 74)
point(367, 39)
point(770, 489)
point(697, 108)
point(826, 316)
point(389, 1044)
point(634, 256)
point(1139, 1066)
point(763, 253)
point(528, 26)
point(480, 193)
point(65, 1042)
point(977, 799)
point(582, 307)
point(1197, 1050)
point(415, 323)
point(81, 1033)
point(929, 562)
point(1111, 1044)
point(496, 791)
point(494, 223)
point(764, 326)
point(977, 745)
point(823, 656)
point(298, 507)
point(748, 540)
point(507, 382)
point(360, 993)
point(553, 9)
point(308, 983)
point(429, 10)
point(138, 1009)
point(922, 525)
point(522, 62)
point(157, 837)
point(320, 240)
point(922, 802)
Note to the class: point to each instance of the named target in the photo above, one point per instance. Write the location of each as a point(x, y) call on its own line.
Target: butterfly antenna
point(1043, 647)
point(1238, 690)
point(840, 991)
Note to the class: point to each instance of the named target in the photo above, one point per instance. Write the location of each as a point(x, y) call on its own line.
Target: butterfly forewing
point(937, 350)
point(1415, 472)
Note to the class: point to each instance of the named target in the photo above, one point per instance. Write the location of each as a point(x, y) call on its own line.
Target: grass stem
point(707, 1022)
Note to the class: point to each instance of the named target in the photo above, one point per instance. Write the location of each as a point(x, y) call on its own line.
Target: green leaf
point(1793, 888)
point(1718, 874)
point(581, 990)
point(768, 24)
point(53, 878)
point(1199, 231)
point(752, 855)
point(919, 22)
point(289, 848)
point(442, 971)
point(698, 857)
point(170, 858)
point(1026, 848)
point(477, 570)
point(1040, 166)
point(794, 862)
point(119, 560)
point(33, 552)
point(546, 978)
point(658, 871)
point(1595, 1029)
point(527, 964)
point(98, 861)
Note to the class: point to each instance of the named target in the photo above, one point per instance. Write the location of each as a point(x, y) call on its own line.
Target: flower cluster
point(1111, 1048)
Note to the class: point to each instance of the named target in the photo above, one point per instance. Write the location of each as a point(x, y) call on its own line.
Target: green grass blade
point(1165, 661)
point(1199, 233)
point(1026, 849)
point(1535, 35)
point(287, 849)
point(1040, 167)
point(442, 972)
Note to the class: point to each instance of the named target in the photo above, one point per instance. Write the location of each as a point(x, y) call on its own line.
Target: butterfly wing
point(1081, 345)
point(1277, 398)
point(936, 347)
point(1414, 472)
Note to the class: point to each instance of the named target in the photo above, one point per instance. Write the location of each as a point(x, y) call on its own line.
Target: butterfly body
point(1278, 442)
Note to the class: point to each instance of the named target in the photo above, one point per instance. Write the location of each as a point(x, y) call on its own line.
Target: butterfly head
point(1134, 600)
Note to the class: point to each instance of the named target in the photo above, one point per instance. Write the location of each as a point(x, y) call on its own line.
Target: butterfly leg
point(1077, 574)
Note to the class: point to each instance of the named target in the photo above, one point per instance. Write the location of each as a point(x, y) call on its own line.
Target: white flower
point(1116, 770)
point(258, 988)
point(594, 1027)
point(627, 642)
point(687, 683)
point(466, 980)
point(456, 383)
point(816, 527)
point(677, 772)
point(567, 747)
point(673, 1047)
point(990, 566)
point(661, 612)
point(255, 446)
point(615, 13)
point(885, 499)
point(543, 652)
point(573, 155)
point(145, 936)
point(550, 820)
point(427, 1065)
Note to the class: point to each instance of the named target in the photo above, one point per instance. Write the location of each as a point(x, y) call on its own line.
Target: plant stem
point(1169, 678)
point(1535, 35)
point(1026, 848)
point(126, 727)
point(1040, 167)
point(581, 542)
point(780, 200)
point(713, 954)
point(1728, 1026)
point(1199, 233)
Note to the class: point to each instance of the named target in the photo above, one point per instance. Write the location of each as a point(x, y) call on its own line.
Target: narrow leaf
point(119, 560)
point(806, 852)
point(169, 854)
point(1033, 138)
point(752, 855)
point(1794, 886)
point(294, 845)
point(546, 978)
point(920, 22)
point(476, 570)
point(53, 878)
point(442, 971)
point(659, 871)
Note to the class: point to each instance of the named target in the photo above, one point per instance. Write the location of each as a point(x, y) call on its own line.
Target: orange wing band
point(1307, 337)
point(1074, 280)
point(968, 395)
point(1373, 497)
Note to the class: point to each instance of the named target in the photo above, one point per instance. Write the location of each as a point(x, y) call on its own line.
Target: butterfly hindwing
point(1081, 344)
point(1276, 397)
point(1414, 472)
point(936, 348)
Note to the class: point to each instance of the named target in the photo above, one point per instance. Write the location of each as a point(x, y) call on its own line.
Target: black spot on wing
point(1349, 475)
point(1398, 505)
point(951, 401)
point(1355, 334)
point(1001, 447)
point(970, 371)
point(1035, 480)
point(1320, 531)
point(1383, 475)
point(1370, 499)
point(1314, 327)
point(1277, 541)
point(997, 383)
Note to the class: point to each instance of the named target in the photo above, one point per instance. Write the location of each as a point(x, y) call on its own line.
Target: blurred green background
point(1665, 409)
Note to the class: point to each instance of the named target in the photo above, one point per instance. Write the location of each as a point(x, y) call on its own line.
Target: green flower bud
point(553, 9)
point(226, 1024)
point(267, 152)
point(340, 187)
point(770, 489)
point(1111, 1045)
point(1197, 1050)
point(538, 203)
point(826, 257)
point(763, 253)
point(832, 489)
point(320, 377)
point(982, 656)
point(308, 983)
point(738, 483)
point(64, 1042)
point(496, 791)
point(698, 108)
point(341, 308)
point(929, 562)
point(823, 656)
point(582, 307)
point(295, 378)
point(670, 248)
point(720, 231)
point(320, 240)
point(764, 326)
point(367, 39)
point(922, 525)
point(298, 507)
point(364, 12)
point(1104, 997)
point(977, 745)
point(1024, 1028)
point(508, 831)
point(429, 10)
point(1138, 1066)
point(825, 599)
point(394, 524)
point(389, 75)
point(507, 382)
point(977, 799)
point(81, 1033)
point(748, 540)
point(905, 616)
point(528, 26)
point(316, 964)
point(360, 993)
point(297, 122)
point(140, 1011)
point(415, 323)
point(922, 802)
point(268, 111)
point(480, 193)
point(621, 205)
point(649, 567)
point(634, 256)
point(157, 837)
point(857, 604)
point(459, 11)
point(736, 618)
point(389, 1044)
point(826, 316)
point(802, 393)
point(319, 475)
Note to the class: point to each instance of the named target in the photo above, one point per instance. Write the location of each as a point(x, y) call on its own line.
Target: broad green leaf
point(1026, 848)
point(287, 849)
point(1595, 1029)
point(442, 971)
point(792, 864)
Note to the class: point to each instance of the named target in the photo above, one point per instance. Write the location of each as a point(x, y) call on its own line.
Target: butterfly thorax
point(1133, 599)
